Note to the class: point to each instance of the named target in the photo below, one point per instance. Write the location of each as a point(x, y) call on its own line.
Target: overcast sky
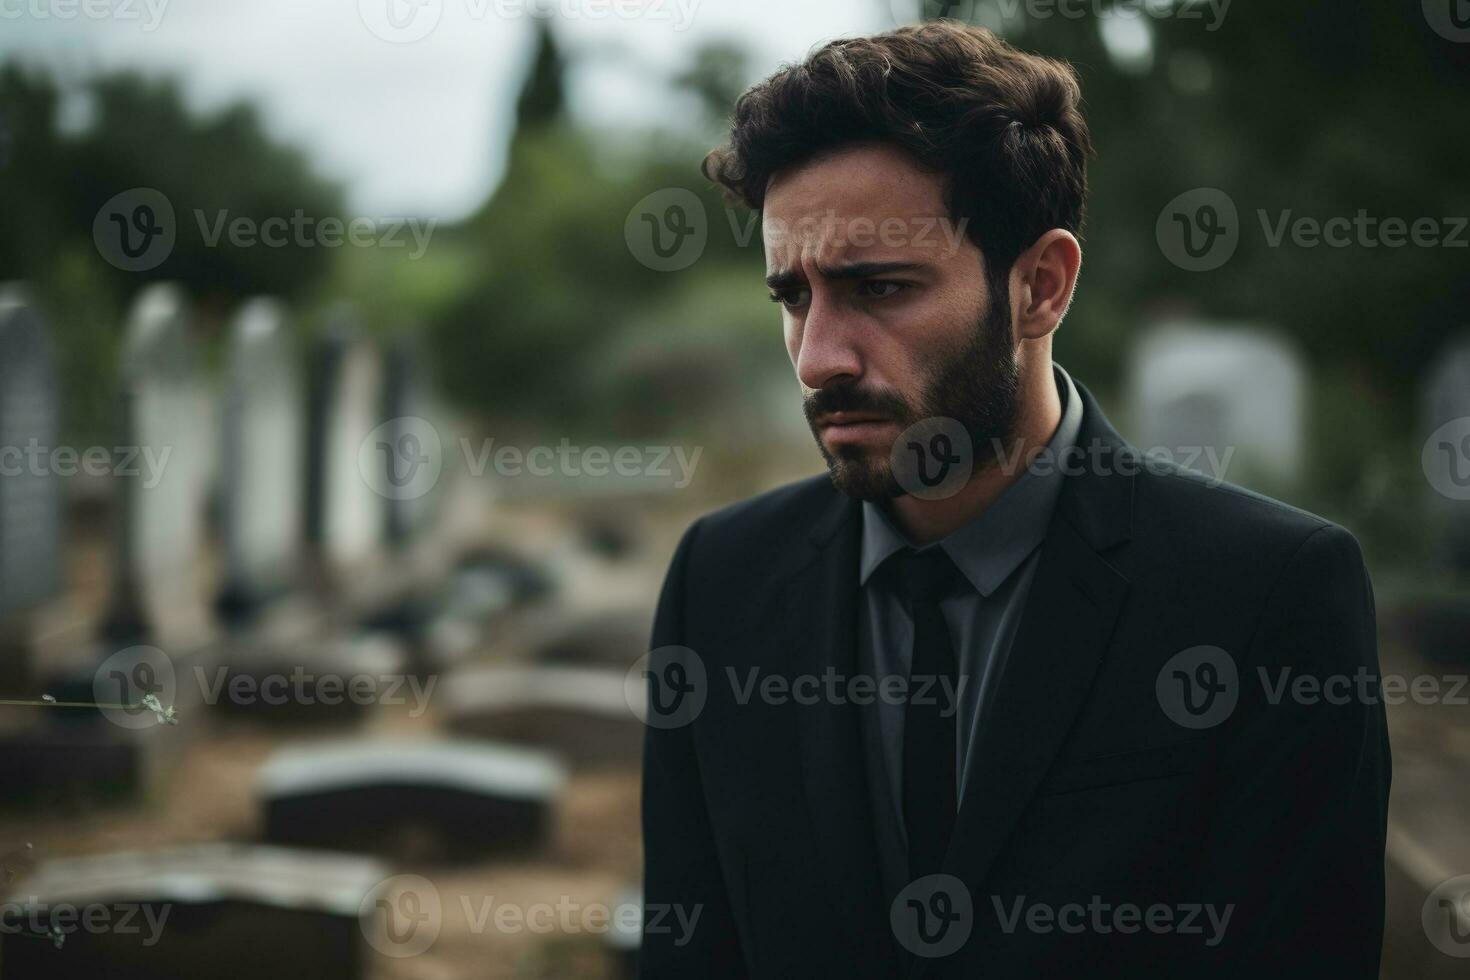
point(408, 101)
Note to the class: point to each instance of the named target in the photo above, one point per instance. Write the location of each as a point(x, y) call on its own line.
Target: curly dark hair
point(1002, 126)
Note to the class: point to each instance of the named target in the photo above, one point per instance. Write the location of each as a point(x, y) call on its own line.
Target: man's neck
point(926, 521)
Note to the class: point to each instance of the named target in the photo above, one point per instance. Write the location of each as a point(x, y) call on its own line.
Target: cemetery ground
point(592, 855)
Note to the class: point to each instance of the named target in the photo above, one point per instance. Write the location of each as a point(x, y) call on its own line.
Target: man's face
point(888, 318)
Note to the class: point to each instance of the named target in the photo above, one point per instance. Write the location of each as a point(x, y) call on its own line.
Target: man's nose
point(829, 349)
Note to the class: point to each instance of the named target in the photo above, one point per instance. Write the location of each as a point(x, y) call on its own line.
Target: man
point(1000, 698)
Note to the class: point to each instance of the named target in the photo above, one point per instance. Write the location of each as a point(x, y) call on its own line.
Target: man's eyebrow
point(787, 279)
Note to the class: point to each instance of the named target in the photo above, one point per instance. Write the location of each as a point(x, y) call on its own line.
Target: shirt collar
point(990, 547)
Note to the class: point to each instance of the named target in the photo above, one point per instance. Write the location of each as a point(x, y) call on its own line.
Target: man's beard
point(977, 385)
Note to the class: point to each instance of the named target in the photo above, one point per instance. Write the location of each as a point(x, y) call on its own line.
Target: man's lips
point(853, 429)
point(843, 419)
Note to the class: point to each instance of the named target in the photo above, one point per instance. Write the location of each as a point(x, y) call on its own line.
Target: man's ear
point(1042, 281)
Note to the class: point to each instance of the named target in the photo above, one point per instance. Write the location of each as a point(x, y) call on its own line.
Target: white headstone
point(1226, 401)
point(30, 509)
point(345, 516)
point(261, 457)
point(435, 796)
point(165, 427)
point(197, 910)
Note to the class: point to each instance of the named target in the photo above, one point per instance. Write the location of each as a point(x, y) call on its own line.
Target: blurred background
point(362, 361)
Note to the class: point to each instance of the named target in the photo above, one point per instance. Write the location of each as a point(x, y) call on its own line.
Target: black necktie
point(930, 797)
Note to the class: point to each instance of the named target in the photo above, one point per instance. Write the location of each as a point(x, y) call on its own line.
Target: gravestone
point(263, 467)
point(260, 461)
point(402, 462)
point(580, 713)
point(49, 756)
point(345, 518)
point(613, 638)
point(307, 680)
point(210, 910)
point(164, 428)
point(414, 800)
point(409, 409)
point(1227, 402)
point(30, 503)
point(1445, 398)
point(78, 756)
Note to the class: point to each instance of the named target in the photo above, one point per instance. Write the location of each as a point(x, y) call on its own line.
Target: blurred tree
point(718, 75)
point(556, 289)
point(543, 98)
point(69, 150)
point(138, 133)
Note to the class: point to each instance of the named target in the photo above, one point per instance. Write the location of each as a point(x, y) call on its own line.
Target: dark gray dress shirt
point(997, 553)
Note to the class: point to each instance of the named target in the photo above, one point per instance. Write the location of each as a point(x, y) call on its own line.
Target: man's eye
point(882, 288)
point(789, 298)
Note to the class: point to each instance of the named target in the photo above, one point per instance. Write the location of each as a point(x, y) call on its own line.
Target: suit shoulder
point(774, 515)
point(1212, 515)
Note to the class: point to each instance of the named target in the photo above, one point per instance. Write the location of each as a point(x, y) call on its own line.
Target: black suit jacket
point(1088, 794)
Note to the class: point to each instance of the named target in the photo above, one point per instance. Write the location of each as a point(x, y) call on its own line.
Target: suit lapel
point(1068, 617)
point(820, 628)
